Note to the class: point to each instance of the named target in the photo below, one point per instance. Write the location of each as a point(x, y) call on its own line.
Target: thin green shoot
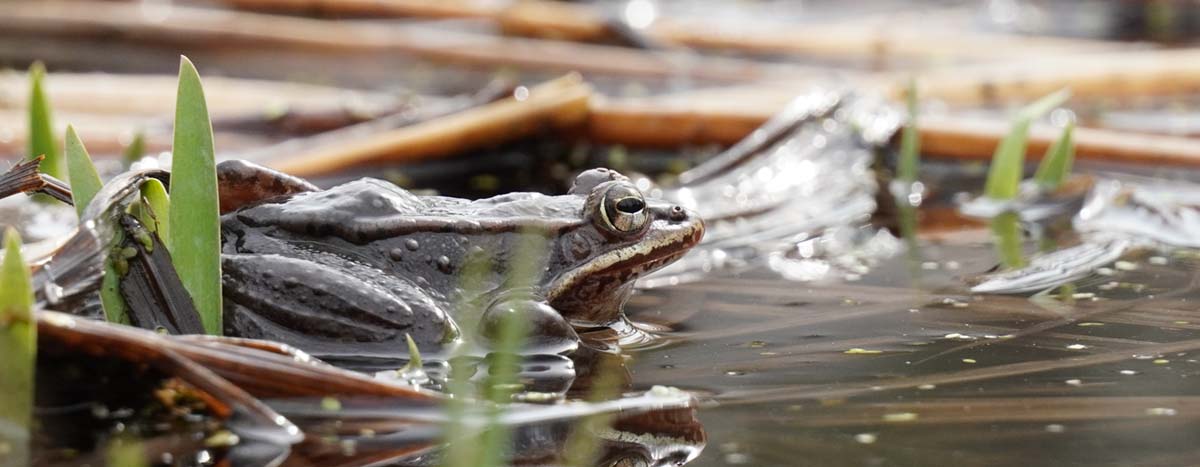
point(41, 139)
point(85, 181)
point(583, 445)
point(1056, 164)
point(194, 223)
point(18, 347)
point(908, 164)
point(461, 449)
point(135, 151)
point(414, 356)
point(1007, 230)
point(1008, 162)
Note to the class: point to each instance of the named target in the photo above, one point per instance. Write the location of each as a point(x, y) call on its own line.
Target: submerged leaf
point(1056, 164)
point(194, 225)
point(18, 350)
point(41, 126)
point(85, 181)
point(1008, 162)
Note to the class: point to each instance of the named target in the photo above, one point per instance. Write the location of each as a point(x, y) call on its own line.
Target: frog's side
point(366, 263)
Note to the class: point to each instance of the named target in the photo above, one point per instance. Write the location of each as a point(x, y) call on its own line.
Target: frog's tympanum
point(357, 267)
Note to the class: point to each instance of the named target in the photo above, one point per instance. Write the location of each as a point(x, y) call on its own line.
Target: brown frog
point(355, 268)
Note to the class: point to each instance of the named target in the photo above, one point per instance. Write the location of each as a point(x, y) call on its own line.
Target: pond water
point(904, 367)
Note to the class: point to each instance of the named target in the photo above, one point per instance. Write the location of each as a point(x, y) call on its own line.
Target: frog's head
point(623, 236)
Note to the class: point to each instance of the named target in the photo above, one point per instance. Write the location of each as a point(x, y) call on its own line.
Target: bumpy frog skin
point(355, 268)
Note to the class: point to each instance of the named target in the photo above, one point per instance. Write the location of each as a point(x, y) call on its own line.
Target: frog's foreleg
point(545, 330)
point(243, 183)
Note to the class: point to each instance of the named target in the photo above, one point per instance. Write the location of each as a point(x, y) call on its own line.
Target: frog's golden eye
point(623, 210)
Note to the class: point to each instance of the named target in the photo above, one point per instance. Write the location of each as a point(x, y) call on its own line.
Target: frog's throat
point(635, 259)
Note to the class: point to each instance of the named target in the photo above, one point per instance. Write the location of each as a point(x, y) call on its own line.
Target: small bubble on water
point(1125, 266)
point(1128, 372)
point(900, 417)
point(1157, 260)
point(1161, 411)
point(1077, 346)
point(1161, 361)
point(735, 373)
point(866, 438)
point(926, 387)
point(1055, 428)
point(1074, 382)
point(968, 360)
point(737, 458)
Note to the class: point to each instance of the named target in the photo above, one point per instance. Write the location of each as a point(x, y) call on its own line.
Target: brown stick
point(1101, 75)
point(879, 38)
point(644, 123)
point(557, 104)
point(206, 28)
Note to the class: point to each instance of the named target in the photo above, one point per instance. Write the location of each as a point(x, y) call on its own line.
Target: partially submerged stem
point(1006, 228)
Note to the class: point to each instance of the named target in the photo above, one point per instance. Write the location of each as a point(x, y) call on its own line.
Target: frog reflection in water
point(355, 268)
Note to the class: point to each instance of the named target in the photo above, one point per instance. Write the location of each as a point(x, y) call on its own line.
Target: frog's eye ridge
point(622, 209)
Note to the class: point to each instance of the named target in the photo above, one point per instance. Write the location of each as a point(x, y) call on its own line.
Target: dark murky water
point(904, 368)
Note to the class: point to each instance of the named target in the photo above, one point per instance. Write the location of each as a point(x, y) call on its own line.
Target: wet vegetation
point(881, 278)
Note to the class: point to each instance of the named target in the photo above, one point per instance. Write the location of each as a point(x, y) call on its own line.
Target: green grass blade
point(18, 351)
point(85, 181)
point(1008, 162)
point(41, 127)
point(194, 225)
point(910, 141)
point(135, 151)
point(1056, 164)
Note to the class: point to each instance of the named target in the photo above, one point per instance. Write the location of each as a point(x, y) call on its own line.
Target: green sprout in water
point(18, 351)
point(135, 151)
point(41, 125)
point(193, 222)
point(1008, 162)
point(910, 141)
point(1056, 164)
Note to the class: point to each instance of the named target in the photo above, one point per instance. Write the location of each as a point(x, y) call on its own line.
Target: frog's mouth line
point(634, 260)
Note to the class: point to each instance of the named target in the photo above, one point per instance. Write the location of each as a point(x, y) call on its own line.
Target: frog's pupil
point(630, 205)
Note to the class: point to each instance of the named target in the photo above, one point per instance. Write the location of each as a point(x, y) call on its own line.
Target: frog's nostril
point(677, 213)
